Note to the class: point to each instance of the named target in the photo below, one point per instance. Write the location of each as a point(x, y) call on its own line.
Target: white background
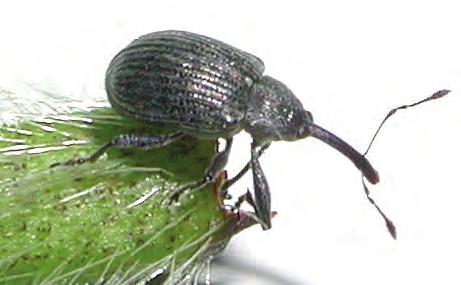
point(349, 62)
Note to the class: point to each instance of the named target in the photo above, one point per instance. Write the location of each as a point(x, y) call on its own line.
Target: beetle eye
point(309, 116)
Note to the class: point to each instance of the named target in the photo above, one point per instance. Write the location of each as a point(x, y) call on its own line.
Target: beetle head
point(274, 113)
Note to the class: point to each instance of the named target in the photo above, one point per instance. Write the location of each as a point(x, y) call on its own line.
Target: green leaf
point(71, 224)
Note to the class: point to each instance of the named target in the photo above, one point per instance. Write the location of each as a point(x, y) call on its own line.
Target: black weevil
point(205, 88)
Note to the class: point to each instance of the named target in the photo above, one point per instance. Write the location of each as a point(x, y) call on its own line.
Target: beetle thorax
point(274, 113)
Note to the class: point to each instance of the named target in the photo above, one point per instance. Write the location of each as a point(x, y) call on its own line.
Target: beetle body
point(186, 81)
point(205, 88)
point(200, 86)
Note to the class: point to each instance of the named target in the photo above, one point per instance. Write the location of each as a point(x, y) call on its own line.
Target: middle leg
point(217, 164)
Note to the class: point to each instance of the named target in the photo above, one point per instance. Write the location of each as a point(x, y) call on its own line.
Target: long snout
point(360, 161)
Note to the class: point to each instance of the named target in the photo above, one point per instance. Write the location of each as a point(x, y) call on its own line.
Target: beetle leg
point(219, 162)
point(242, 172)
point(127, 141)
point(244, 218)
point(216, 166)
point(260, 196)
point(236, 207)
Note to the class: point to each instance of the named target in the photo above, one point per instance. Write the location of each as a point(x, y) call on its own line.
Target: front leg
point(242, 172)
point(260, 196)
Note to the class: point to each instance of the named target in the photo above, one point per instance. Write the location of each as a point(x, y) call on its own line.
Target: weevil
point(202, 87)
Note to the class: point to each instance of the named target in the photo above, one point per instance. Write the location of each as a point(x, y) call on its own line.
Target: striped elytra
point(185, 81)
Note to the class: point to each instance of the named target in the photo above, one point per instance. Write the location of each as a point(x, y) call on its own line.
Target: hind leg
point(127, 141)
